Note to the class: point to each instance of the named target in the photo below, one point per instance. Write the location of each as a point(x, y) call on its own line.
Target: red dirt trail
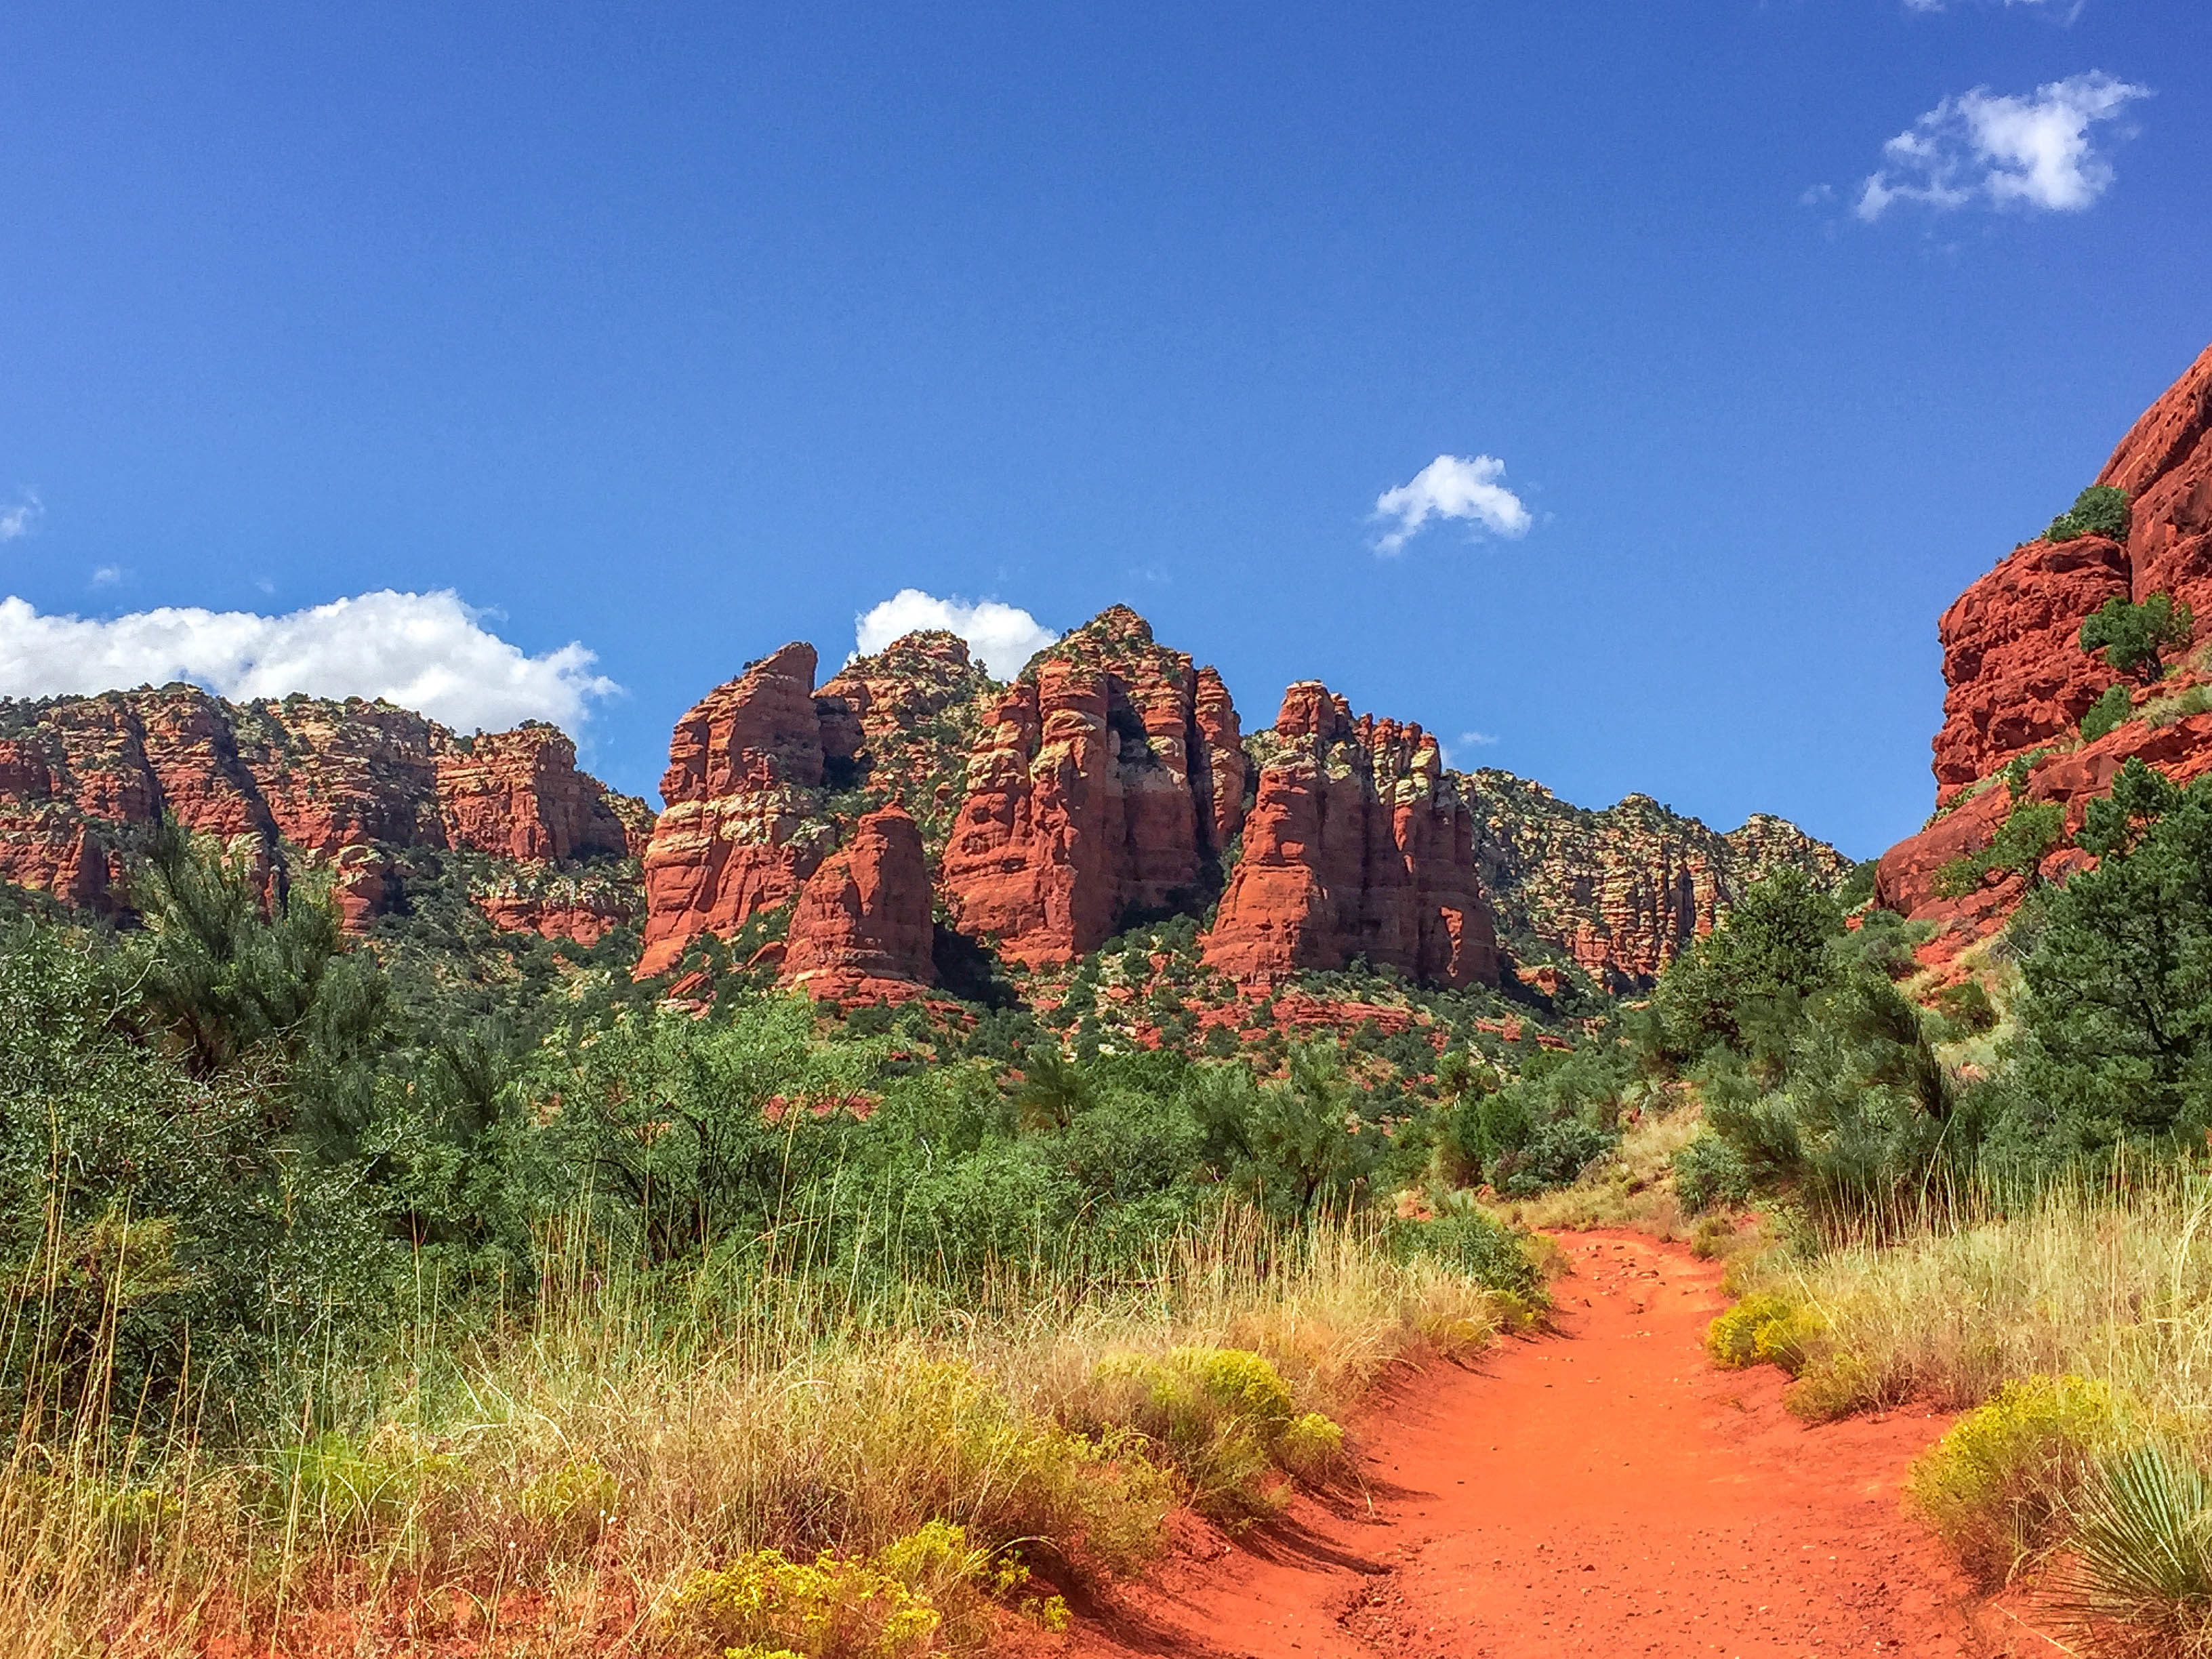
point(1600, 1491)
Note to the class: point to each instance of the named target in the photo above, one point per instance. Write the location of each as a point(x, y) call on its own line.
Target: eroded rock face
point(342, 784)
point(517, 795)
point(860, 930)
point(898, 726)
point(1626, 890)
point(741, 829)
point(1096, 789)
point(2017, 678)
point(2012, 656)
point(1358, 845)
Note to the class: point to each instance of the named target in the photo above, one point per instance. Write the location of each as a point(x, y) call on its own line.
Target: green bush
point(1766, 1329)
point(2135, 638)
point(2030, 831)
point(2100, 510)
point(2111, 710)
point(1224, 1417)
point(1708, 1171)
point(1470, 1242)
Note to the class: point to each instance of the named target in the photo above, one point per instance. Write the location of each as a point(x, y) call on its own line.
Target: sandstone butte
point(1106, 782)
point(342, 784)
point(1358, 845)
point(2019, 683)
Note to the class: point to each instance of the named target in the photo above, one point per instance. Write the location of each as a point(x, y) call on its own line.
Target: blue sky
point(678, 332)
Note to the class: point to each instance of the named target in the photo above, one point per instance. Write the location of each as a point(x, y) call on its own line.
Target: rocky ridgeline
point(345, 786)
point(845, 834)
point(911, 797)
point(1623, 891)
point(2019, 683)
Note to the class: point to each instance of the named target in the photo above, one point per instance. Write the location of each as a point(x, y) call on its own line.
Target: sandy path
point(1601, 1492)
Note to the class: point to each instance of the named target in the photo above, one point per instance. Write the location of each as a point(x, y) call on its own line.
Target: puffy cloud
point(1451, 486)
point(16, 520)
point(2034, 151)
point(423, 651)
point(1002, 636)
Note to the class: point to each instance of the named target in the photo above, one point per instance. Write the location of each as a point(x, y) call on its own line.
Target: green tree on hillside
point(2117, 1009)
point(2135, 638)
point(2100, 510)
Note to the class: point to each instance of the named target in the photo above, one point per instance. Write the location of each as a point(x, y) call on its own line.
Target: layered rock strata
point(741, 829)
point(1358, 845)
point(1625, 891)
point(346, 785)
point(1105, 783)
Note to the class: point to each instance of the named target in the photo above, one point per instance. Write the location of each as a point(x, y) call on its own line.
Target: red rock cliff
point(861, 928)
point(741, 831)
point(2019, 680)
point(345, 784)
point(1096, 786)
point(1358, 845)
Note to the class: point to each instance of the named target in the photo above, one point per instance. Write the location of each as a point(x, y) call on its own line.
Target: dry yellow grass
point(600, 1457)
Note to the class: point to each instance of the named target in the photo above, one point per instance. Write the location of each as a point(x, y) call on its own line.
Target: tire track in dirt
point(1602, 1490)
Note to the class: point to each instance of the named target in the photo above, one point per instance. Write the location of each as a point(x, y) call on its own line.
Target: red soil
point(1603, 1491)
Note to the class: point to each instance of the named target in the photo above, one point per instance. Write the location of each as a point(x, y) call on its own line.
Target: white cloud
point(2032, 151)
point(108, 575)
point(2069, 9)
point(16, 520)
point(1002, 637)
point(427, 652)
point(1451, 486)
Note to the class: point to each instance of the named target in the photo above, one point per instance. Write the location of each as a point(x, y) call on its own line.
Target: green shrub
point(2100, 510)
point(2110, 711)
point(1966, 1007)
point(887, 1605)
point(2135, 638)
point(1997, 1487)
point(2030, 831)
point(1471, 1242)
point(1709, 1171)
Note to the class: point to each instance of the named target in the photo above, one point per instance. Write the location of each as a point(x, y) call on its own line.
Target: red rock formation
point(1358, 846)
point(517, 795)
point(2019, 680)
point(898, 726)
point(2164, 464)
point(1096, 787)
point(740, 833)
point(340, 784)
point(585, 917)
point(860, 931)
point(2013, 658)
